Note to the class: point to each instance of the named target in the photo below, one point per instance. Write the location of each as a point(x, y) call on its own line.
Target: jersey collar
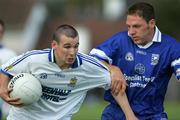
point(76, 63)
point(156, 38)
point(157, 35)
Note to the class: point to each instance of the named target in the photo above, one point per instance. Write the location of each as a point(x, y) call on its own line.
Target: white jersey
point(63, 90)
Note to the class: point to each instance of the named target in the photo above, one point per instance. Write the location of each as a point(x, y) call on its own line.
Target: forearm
point(4, 80)
point(4, 92)
point(124, 104)
point(109, 66)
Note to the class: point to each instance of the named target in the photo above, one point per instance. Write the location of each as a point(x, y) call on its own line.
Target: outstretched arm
point(124, 104)
point(118, 87)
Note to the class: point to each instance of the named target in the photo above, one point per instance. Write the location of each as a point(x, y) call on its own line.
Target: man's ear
point(54, 44)
point(152, 23)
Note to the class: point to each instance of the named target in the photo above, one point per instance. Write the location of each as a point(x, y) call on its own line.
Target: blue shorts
point(114, 112)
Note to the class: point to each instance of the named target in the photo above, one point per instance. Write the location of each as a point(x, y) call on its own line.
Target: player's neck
point(62, 65)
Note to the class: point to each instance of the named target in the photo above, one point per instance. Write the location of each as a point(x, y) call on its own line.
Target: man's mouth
point(71, 60)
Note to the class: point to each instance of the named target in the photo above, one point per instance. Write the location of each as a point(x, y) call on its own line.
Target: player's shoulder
point(168, 39)
point(121, 34)
point(86, 57)
point(91, 61)
point(120, 38)
point(37, 55)
point(37, 52)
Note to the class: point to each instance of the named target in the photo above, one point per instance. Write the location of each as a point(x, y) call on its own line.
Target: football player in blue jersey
point(65, 75)
point(147, 59)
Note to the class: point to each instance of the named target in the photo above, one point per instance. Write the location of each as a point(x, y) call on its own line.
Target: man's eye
point(76, 46)
point(137, 26)
point(67, 46)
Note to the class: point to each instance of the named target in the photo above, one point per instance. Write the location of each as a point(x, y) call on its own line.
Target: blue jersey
point(147, 69)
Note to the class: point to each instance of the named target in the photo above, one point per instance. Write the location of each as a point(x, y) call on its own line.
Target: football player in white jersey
point(5, 55)
point(65, 75)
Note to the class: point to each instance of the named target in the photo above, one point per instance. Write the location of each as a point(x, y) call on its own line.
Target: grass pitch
point(93, 111)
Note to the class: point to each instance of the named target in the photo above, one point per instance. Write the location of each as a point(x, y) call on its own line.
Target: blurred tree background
point(167, 12)
point(168, 16)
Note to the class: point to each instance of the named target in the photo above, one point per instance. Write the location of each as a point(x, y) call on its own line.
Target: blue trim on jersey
point(34, 52)
point(77, 62)
point(79, 59)
point(4, 72)
point(51, 55)
point(92, 60)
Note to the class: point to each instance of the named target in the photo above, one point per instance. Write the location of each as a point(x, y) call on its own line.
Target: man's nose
point(72, 51)
point(131, 31)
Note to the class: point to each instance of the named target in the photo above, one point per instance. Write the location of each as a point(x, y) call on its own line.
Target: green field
point(93, 111)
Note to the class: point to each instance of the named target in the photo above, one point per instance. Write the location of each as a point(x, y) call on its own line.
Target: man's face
point(1, 31)
point(140, 31)
point(66, 50)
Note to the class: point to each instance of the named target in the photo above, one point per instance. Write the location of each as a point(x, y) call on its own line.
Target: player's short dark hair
point(142, 9)
point(2, 23)
point(66, 30)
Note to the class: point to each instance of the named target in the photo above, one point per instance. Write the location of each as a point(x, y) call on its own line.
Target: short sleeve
point(175, 64)
point(15, 65)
